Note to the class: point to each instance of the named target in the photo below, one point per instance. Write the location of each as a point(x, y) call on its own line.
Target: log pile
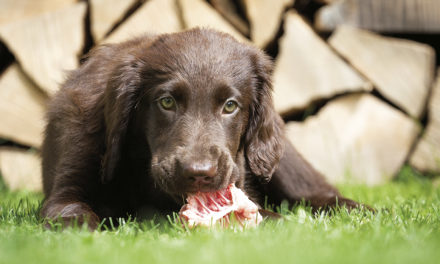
point(358, 104)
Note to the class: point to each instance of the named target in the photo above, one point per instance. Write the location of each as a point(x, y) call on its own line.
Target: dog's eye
point(167, 103)
point(230, 107)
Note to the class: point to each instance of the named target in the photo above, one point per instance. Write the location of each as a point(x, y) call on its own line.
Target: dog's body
point(143, 123)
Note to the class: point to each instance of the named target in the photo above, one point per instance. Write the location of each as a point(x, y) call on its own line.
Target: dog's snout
point(200, 173)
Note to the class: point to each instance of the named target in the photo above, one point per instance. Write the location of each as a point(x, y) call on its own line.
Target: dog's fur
point(112, 150)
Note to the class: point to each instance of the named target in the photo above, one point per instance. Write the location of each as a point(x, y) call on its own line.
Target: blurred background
point(355, 80)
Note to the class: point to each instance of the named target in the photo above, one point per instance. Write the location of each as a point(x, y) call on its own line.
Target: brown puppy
point(142, 123)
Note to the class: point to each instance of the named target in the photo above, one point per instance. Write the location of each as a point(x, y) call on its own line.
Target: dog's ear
point(264, 136)
point(121, 96)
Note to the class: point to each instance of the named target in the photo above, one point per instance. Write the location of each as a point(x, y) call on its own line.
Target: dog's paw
point(70, 215)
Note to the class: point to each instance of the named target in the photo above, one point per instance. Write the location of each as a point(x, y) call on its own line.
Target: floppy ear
point(121, 95)
point(264, 136)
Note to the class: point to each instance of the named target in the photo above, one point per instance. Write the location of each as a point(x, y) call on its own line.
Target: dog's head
point(203, 104)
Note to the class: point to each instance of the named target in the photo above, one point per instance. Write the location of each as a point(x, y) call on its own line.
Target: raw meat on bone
point(208, 208)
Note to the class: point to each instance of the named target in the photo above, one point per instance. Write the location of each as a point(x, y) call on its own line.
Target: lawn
point(406, 229)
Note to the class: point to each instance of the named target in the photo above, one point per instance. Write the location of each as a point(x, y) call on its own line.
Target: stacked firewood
point(358, 94)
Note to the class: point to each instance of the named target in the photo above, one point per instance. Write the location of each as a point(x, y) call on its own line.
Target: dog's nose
point(200, 173)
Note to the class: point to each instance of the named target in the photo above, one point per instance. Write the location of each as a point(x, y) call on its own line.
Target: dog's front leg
point(68, 212)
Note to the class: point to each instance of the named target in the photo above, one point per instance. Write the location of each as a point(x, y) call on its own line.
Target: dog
point(143, 123)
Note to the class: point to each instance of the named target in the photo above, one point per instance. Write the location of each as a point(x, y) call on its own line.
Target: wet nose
point(200, 173)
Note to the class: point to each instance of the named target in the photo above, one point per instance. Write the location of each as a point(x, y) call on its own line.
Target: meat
point(210, 208)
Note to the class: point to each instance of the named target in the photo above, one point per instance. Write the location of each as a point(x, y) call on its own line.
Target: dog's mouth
point(209, 208)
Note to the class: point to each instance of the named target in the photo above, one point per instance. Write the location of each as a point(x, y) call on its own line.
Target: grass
point(406, 229)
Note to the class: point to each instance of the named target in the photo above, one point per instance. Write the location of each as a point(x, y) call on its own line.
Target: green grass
point(406, 229)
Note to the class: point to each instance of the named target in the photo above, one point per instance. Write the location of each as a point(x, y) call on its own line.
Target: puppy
point(143, 123)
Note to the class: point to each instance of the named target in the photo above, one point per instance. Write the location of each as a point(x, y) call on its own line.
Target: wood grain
point(20, 169)
point(356, 139)
point(15, 10)
point(198, 13)
point(22, 107)
point(48, 45)
point(105, 13)
point(228, 10)
point(401, 70)
point(307, 69)
point(382, 15)
point(153, 17)
point(426, 156)
point(265, 19)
